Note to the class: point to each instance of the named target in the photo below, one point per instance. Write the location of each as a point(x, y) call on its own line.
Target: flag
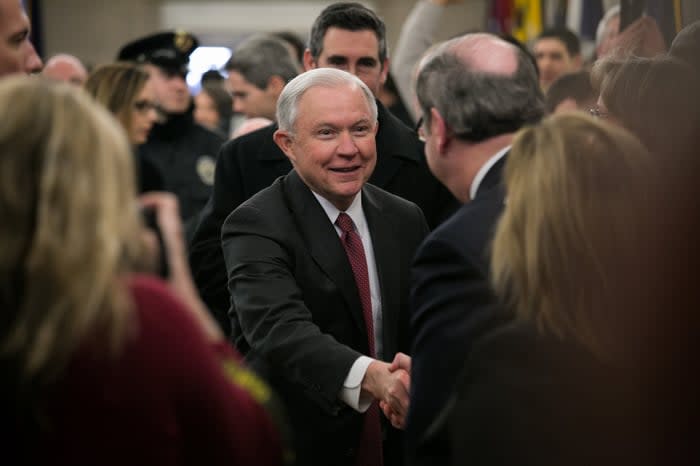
point(528, 19)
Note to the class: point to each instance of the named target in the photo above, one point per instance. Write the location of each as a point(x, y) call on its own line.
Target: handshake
point(390, 385)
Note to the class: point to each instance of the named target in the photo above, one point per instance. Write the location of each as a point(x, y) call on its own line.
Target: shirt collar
point(481, 174)
point(354, 211)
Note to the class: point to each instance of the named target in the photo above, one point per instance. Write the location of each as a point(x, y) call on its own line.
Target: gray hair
point(261, 57)
point(479, 105)
point(288, 102)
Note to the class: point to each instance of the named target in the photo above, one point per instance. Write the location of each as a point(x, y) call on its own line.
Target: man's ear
point(309, 62)
point(385, 71)
point(275, 85)
point(439, 130)
point(284, 140)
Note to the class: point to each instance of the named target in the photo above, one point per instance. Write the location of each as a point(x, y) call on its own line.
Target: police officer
point(181, 149)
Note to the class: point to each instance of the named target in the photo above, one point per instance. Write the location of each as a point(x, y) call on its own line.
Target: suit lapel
point(323, 243)
point(386, 254)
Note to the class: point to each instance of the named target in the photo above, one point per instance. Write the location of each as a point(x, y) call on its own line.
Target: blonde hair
point(70, 226)
point(564, 254)
point(117, 86)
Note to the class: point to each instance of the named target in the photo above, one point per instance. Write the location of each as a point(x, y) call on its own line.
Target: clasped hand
point(390, 385)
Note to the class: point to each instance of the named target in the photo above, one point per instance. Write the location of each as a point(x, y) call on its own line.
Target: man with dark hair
point(572, 91)
point(350, 37)
point(17, 53)
point(182, 150)
point(557, 51)
point(475, 92)
point(257, 72)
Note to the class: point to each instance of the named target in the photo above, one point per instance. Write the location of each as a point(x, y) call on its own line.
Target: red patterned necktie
point(370, 449)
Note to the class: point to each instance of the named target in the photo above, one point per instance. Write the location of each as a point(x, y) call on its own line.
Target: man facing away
point(475, 92)
point(64, 67)
point(318, 274)
point(350, 37)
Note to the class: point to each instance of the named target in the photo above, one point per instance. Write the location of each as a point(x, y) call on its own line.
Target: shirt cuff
point(351, 393)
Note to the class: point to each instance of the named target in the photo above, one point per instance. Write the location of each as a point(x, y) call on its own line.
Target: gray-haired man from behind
point(474, 92)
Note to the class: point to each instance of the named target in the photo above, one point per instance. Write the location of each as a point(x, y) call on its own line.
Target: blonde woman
point(570, 264)
point(127, 92)
point(101, 364)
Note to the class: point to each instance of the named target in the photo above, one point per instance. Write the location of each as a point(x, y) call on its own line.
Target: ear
point(309, 62)
point(284, 140)
point(385, 71)
point(440, 131)
point(275, 85)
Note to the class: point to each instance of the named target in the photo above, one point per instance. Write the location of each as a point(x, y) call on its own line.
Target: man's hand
point(390, 389)
point(401, 363)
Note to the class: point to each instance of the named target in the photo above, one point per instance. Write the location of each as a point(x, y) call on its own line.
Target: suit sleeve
point(271, 312)
point(450, 304)
point(206, 259)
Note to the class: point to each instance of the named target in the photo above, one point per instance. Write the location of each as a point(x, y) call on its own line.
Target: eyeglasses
point(596, 112)
point(144, 106)
point(419, 129)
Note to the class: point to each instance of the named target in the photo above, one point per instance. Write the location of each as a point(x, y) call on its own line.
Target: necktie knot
point(345, 223)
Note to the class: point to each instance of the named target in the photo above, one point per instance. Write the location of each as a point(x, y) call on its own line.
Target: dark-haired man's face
point(17, 54)
point(553, 60)
point(356, 52)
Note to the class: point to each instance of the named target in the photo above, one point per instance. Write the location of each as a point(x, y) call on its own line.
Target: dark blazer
point(252, 162)
point(531, 399)
point(450, 305)
point(296, 311)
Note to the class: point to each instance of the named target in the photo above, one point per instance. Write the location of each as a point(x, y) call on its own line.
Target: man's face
point(249, 99)
point(170, 89)
point(356, 52)
point(332, 146)
point(17, 54)
point(553, 60)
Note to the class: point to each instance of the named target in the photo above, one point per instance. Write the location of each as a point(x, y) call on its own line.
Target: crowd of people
point(488, 261)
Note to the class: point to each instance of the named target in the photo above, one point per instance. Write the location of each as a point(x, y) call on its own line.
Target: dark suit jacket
point(450, 305)
point(296, 311)
point(252, 162)
point(531, 399)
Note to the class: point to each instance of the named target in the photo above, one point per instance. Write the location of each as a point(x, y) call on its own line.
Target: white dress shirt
point(484, 170)
point(351, 391)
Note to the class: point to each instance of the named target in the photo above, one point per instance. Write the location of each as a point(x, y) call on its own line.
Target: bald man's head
point(64, 67)
point(481, 85)
point(485, 53)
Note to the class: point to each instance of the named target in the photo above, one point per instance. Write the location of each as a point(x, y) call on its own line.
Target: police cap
point(169, 50)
